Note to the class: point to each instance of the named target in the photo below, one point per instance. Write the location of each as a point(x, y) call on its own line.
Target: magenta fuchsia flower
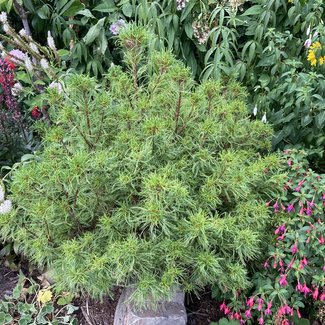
point(280, 229)
point(305, 290)
point(298, 313)
point(261, 321)
point(299, 287)
point(250, 302)
point(260, 303)
point(248, 314)
point(294, 248)
point(315, 293)
point(283, 280)
point(290, 208)
point(276, 207)
point(321, 240)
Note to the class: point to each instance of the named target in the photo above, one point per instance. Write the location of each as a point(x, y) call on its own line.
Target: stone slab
point(171, 312)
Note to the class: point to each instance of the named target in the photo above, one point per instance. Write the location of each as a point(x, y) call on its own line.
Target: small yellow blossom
point(315, 46)
point(311, 57)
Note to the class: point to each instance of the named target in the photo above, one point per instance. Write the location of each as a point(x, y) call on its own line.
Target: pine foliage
point(145, 180)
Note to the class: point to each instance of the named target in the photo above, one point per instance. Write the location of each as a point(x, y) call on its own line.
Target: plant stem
point(178, 107)
point(23, 15)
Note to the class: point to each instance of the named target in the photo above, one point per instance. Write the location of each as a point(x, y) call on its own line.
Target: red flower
point(36, 113)
point(10, 64)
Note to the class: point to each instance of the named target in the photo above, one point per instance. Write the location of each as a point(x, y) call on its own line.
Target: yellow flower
point(321, 60)
point(290, 1)
point(315, 46)
point(311, 57)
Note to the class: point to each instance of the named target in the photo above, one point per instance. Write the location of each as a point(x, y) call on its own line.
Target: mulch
point(8, 280)
point(202, 310)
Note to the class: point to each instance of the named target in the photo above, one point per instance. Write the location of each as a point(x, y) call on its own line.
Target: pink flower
point(281, 237)
point(266, 265)
point(223, 306)
point(294, 248)
point(290, 208)
point(305, 290)
point(309, 211)
point(250, 302)
point(315, 293)
point(261, 321)
point(260, 303)
point(276, 207)
point(268, 311)
point(237, 316)
point(305, 261)
point(248, 314)
point(322, 297)
point(321, 240)
point(298, 313)
point(289, 162)
point(299, 287)
point(283, 280)
point(280, 229)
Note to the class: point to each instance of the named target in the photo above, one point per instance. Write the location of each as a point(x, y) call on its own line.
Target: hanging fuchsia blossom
point(283, 280)
point(315, 293)
point(290, 208)
point(294, 248)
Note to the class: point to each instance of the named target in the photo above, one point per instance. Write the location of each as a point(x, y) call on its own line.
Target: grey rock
point(170, 312)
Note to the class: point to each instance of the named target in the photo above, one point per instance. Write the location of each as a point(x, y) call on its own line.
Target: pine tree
point(145, 179)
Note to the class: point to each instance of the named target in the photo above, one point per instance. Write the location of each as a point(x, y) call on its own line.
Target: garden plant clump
point(292, 284)
point(146, 179)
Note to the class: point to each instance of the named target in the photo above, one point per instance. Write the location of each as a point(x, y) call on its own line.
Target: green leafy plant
point(264, 43)
point(292, 283)
point(29, 304)
point(145, 180)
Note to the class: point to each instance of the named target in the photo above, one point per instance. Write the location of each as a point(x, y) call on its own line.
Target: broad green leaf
point(320, 120)
point(127, 10)
point(107, 6)
point(72, 7)
point(94, 31)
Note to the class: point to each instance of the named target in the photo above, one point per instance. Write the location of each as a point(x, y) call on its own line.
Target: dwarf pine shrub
point(146, 179)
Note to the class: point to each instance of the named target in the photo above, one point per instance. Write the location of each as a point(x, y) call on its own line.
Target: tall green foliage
point(146, 179)
point(260, 41)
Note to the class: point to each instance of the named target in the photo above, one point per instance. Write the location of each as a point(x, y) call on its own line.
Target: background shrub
point(261, 42)
point(146, 179)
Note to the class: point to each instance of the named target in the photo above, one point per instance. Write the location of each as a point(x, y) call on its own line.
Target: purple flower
point(290, 208)
point(308, 43)
point(117, 26)
point(17, 56)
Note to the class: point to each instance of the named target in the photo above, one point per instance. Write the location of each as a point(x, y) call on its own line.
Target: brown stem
point(135, 76)
point(72, 209)
point(23, 15)
point(87, 115)
point(90, 145)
